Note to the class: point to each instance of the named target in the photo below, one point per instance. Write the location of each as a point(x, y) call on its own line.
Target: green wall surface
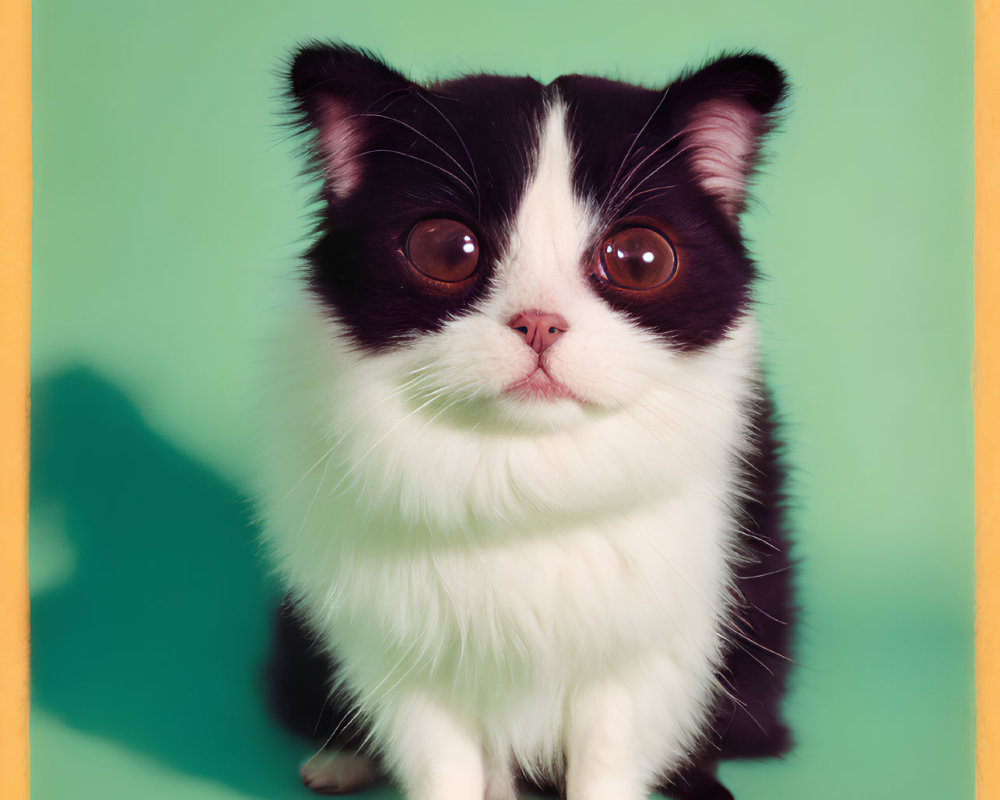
point(169, 212)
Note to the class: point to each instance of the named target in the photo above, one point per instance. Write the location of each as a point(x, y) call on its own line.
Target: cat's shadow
point(157, 639)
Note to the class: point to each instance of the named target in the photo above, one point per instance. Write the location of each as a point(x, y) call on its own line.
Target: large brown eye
point(638, 258)
point(443, 249)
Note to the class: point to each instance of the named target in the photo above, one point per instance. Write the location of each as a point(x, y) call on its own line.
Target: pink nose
point(540, 329)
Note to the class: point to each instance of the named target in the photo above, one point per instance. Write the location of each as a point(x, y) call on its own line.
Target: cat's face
point(520, 255)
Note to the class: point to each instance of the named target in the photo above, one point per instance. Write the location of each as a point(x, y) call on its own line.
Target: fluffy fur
point(589, 590)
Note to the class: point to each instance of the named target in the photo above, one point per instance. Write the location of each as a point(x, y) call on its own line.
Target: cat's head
point(522, 255)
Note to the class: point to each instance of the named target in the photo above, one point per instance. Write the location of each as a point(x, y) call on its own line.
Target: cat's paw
point(500, 786)
point(334, 772)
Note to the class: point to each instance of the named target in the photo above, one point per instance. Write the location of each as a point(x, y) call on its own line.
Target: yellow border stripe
point(15, 303)
point(987, 400)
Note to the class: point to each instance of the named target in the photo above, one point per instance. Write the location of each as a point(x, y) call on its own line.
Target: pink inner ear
point(723, 136)
point(340, 141)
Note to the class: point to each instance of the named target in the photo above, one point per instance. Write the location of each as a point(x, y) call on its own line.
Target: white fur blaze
point(543, 265)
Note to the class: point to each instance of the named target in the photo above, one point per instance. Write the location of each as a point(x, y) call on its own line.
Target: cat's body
point(524, 492)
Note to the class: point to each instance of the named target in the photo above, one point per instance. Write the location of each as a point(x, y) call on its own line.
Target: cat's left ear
point(334, 90)
point(727, 109)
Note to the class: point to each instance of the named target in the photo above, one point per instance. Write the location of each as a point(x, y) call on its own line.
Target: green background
point(168, 212)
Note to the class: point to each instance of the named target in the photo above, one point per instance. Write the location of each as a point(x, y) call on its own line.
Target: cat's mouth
point(539, 385)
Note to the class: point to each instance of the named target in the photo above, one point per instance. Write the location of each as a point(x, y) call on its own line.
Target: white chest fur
point(446, 564)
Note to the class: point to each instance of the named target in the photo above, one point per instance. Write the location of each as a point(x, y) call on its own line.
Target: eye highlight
point(637, 257)
point(443, 249)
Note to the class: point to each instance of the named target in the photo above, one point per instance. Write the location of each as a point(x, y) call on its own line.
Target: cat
point(524, 487)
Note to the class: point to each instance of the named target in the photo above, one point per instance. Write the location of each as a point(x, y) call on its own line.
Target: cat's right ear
point(332, 88)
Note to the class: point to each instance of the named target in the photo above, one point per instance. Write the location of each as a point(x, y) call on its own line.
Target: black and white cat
point(523, 490)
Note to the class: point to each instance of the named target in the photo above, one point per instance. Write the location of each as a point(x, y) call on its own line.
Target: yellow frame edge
point(15, 303)
point(986, 393)
point(15, 309)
